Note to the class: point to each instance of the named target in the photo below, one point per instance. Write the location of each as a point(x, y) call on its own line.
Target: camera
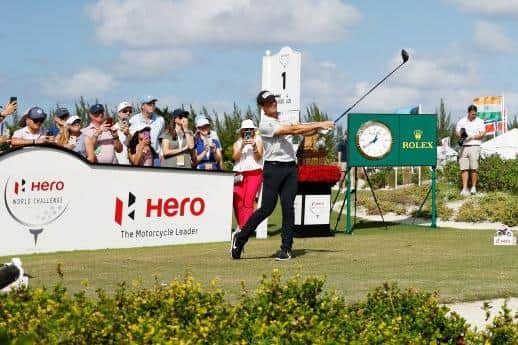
point(463, 136)
point(125, 122)
point(248, 134)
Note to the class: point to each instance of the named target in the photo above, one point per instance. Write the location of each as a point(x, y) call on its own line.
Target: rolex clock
point(374, 140)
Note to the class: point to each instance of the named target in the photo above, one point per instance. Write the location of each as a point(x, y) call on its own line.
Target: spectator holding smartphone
point(140, 150)
point(148, 117)
point(8, 110)
point(32, 133)
point(60, 118)
point(178, 142)
point(102, 140)
point(208, 150)
point(124, 111)
point(248, 167)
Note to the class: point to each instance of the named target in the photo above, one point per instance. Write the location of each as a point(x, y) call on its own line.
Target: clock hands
point(373, 140)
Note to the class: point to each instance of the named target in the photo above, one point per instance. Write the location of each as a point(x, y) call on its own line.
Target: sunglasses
point(150, 104)
point(127, 111)
point(38, 120)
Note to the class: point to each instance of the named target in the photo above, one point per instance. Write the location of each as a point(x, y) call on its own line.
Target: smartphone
point(13, 99)
point(109, 121)
point(146, 135)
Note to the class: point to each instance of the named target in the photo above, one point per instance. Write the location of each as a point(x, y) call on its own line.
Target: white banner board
point(55, 201)
point(281, 75)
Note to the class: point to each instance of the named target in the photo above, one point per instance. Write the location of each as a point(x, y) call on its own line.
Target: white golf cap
point(202, 121)
point(247, 124)
point(73, 119)
point(138, 127)
point(124, 105)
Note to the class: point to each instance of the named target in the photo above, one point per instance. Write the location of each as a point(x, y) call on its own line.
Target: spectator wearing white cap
point(140, 150)
point(71, 130)
point(148, 117)
point(102, 141)
point(33, 132)
point(71, 137)
point(248, 168)
point(124, 111)
point(178, 142)
point(8, 110)
point(208, 150)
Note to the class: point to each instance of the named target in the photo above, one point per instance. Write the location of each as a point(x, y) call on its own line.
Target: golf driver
point(404, 56)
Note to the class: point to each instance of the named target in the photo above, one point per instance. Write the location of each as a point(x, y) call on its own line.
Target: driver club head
point(404, 55)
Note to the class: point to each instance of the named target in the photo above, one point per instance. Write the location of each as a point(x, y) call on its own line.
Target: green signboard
point(392, 140)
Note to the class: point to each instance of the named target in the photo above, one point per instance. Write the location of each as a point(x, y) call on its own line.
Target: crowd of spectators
point(141, 139)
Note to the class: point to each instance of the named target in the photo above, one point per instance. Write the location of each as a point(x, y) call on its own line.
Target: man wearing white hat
point(124, 111)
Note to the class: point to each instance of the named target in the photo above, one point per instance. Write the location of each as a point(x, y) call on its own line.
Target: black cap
point(62, 112)
point(180, 112)
point(264, 97)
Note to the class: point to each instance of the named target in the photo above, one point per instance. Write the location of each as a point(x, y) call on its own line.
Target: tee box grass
point(459, 264)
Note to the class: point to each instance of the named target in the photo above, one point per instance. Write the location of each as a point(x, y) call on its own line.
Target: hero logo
point(39, 186)
point(119, 206)
point(34, 203)
point(170, 207)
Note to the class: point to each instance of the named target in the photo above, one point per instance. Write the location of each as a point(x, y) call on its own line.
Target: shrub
point(295, 311)
point(495, 174)
point(494, 207)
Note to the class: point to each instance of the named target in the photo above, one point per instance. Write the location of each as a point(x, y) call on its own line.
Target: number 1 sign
point(281, 75)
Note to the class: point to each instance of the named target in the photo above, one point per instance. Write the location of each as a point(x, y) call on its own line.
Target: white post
point(281, 76)
point(395, 177)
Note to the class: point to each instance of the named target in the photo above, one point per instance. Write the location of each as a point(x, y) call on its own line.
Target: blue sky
point(209, 53)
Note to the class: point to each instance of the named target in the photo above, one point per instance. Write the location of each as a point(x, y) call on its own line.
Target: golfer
point(279, 174)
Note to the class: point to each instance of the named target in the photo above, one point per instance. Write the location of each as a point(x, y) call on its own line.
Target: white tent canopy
point(445, 154)
point(505, 145)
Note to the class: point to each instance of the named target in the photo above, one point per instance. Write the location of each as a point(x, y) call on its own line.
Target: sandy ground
point(476, 317)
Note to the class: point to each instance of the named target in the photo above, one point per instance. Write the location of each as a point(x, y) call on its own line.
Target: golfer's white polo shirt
point(277, 148)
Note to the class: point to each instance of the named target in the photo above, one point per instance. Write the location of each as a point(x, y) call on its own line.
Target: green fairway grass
point(460, 264)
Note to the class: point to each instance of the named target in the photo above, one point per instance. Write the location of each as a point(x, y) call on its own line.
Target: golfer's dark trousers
point(279, 179)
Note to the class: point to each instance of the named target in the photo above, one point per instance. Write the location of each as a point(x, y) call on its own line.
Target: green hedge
point(296, 311)
point(495, 174)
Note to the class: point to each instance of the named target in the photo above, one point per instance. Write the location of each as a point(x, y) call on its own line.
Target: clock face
point(374, 140)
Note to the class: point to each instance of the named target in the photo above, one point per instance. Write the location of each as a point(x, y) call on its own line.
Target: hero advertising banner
point(55, 201)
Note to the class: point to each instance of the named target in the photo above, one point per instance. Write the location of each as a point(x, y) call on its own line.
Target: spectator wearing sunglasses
point(32, 133)
point(124, 111)
point(178, 142)
point(148, 117)
point(102, 140)
point(61, 116)
point(8, 110)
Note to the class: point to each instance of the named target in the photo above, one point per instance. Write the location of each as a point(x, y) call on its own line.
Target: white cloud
point(489, 36)
point(138, 23)
point(87, 83)
point(489, 7)
point(150, 62)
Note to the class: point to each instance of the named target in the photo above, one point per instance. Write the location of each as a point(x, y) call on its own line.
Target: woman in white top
point(248, 167)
